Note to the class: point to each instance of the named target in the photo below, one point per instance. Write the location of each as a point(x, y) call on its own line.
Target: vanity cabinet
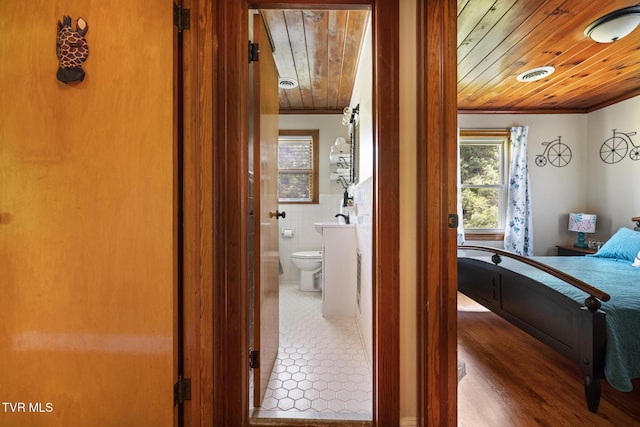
point(339, 263)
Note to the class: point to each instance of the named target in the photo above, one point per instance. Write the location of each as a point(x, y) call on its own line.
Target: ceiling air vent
point(287, 83)
point(535, 74)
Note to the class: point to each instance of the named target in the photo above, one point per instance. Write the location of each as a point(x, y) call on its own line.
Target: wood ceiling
point(497, 41)
point(319, 49)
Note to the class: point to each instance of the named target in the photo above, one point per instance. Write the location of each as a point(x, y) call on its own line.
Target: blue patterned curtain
point(518, 232)
point(459, 207)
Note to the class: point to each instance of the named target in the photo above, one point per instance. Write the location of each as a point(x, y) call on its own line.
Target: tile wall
point(363, 198)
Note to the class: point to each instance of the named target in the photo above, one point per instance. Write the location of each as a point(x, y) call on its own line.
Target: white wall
point(363, 198)
point(613, 189)
point(300, 217)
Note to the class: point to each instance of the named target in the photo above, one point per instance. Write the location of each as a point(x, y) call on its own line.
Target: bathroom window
point(484, 157)
point(298, 166)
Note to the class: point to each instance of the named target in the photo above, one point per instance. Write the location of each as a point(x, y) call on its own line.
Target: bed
point(587, 308)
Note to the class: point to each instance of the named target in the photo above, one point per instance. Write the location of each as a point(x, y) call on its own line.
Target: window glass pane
point(294, 186)
point(480, 207)
point(297, 165)
point(294, 155)
point(480, 164)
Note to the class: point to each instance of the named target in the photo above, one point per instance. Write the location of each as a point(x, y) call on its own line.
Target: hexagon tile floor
point(321, 370)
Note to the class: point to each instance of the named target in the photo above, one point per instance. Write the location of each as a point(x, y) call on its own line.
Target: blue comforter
point(622, 283)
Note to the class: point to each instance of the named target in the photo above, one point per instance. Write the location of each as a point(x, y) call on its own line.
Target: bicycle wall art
point(616, 148)
point(557, 153)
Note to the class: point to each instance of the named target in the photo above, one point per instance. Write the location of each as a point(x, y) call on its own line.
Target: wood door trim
point(436, 249)
point(230, 194)
point(197, 321)
point(216, 168)
point(386, 213)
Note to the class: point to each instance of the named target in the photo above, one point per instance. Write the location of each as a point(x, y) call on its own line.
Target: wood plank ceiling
point(497, 41)
point(320, 50)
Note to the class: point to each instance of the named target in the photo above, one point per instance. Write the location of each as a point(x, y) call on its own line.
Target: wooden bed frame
point(575, 330)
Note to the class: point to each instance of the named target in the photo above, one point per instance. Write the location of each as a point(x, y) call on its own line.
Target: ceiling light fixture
point(287, 83)
point(535, 74)
point(615, 25)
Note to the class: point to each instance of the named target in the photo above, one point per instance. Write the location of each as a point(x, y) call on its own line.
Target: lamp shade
point(582, 223)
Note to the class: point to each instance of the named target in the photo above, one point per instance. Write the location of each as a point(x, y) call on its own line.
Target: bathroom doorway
point(323, 368)
point(216, 212)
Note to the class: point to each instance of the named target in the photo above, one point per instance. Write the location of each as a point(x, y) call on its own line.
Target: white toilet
point(309, 263)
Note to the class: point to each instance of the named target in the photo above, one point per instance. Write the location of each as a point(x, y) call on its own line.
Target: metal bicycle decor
point(558, 153)
point(615, 148)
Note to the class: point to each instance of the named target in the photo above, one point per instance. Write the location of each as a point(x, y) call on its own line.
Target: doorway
point(216, 206)
point(322, 369)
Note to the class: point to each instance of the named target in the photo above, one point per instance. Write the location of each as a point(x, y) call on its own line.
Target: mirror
point(350, 161)
point(354, 137)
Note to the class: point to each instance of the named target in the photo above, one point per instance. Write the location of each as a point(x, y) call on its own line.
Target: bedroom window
point(484, 166)
point(298, 166)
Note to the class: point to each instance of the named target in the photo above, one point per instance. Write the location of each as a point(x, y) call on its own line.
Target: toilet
point(310, 264)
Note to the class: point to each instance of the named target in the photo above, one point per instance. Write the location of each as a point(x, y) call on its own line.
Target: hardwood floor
point(514, 380)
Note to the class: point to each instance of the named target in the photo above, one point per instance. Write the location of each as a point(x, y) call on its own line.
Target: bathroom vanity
point(339, 249)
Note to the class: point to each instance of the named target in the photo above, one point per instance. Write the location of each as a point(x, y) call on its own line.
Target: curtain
point(459, 201)
point(518, 232)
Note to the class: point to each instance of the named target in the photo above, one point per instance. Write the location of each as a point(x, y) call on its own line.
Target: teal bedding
point(622, 282)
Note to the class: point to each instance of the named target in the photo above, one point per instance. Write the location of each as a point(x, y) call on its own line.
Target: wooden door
point(87, 217)
point(266, 327)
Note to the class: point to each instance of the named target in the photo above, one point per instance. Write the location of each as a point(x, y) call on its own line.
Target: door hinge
point(254, 50)
point(254, 359)
point(181, 17)
point(181, 390)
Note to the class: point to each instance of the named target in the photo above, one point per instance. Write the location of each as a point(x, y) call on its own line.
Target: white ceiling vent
point(287, 83)
point(535, 74)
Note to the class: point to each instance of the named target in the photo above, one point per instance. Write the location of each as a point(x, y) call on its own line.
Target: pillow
point(636, 263)
point(623, 245)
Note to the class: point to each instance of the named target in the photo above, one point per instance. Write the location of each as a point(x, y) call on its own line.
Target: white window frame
point(501, 138)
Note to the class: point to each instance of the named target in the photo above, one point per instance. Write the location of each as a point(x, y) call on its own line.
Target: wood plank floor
point(514, 380)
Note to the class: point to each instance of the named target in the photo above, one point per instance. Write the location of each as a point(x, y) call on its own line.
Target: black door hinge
point(254, 359)
point(254, 50)
point(181, 390)
point(181, 17)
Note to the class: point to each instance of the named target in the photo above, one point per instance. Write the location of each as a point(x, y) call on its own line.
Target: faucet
point(346, 199)
point(346, 217)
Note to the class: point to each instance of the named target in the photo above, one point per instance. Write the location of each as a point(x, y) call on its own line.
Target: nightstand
point(570, 250)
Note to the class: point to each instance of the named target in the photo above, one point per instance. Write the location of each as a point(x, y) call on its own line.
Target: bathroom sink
point(321, 225)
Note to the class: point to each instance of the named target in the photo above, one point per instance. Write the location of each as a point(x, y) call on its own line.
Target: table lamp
point(582, 223)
